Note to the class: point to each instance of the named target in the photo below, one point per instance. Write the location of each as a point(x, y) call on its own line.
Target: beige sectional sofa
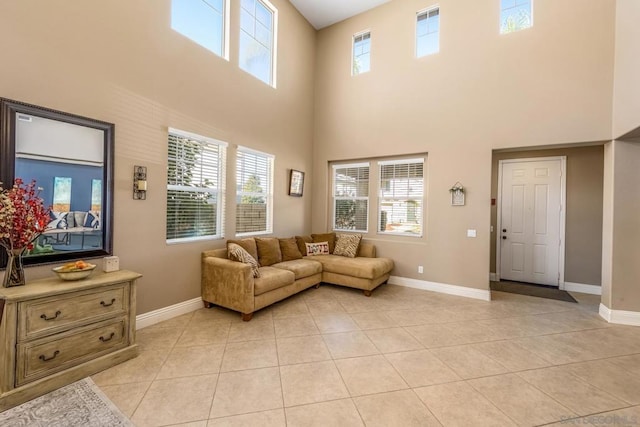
point(232, 285)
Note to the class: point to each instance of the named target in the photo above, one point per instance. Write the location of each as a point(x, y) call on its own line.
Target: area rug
point(81, 404)
point(539, 291)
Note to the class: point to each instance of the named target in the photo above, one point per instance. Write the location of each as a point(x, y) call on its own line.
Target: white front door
point(530, 220)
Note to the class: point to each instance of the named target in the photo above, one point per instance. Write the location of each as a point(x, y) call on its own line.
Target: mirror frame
point(8, 110)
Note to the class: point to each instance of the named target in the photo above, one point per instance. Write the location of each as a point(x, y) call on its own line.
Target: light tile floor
point(332, 357)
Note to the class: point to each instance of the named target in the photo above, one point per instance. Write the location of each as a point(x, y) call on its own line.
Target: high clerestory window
point(254, 192)
point(361, 55)
point(428, 32)
point(195, 187)
point(258, 34)
point(515, 15)
point(203, 21)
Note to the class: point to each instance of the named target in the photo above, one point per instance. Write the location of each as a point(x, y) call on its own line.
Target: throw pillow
point(238, 253)
point(289, 249)
point(58, 220)
point(301, 242)
point(248, 244)
point(268, 251)
point(347, 245)
point(326, 237)
point(92, 220)
point(321, 248)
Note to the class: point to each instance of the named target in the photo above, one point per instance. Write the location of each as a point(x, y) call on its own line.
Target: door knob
point(504, 230)
point(504, 237)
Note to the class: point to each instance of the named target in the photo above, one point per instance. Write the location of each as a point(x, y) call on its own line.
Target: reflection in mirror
point(70, 158)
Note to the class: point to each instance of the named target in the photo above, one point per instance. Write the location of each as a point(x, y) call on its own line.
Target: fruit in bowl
point(74, 270)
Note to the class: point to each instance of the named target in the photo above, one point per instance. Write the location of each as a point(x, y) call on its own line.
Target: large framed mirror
point(71, 159)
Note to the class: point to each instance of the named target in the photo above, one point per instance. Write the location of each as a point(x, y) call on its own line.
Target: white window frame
point(334, 198)
point(407, 161)
point(226, 24)
point(353, 48)
point(418, 15)
point(274, 45)
point(268, 194)
point(220, 191)
point(500, 18)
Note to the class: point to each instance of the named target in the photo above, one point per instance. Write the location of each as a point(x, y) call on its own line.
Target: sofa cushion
point(301, 241)
point(248, 244)
point(300, 267)
point(268, 250)
point(272, 278)
point(326, 237)
point(289, 249)
point(347, 245)
point(237, 253)
point(320, 248)
point(366, 268)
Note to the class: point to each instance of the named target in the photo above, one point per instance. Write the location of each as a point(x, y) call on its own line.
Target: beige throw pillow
point(289, 249)
point(268, 251)
point(237, 253)
point(321, 248)
point(347, 245)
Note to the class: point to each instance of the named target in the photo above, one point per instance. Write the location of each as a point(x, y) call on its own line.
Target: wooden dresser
point(53, 332)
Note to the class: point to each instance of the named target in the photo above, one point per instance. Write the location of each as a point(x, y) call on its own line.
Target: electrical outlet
point(420, 269)
point(111, 263)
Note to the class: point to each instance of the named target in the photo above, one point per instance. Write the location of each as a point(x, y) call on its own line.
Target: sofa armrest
point(228, 283)
point(367, 250)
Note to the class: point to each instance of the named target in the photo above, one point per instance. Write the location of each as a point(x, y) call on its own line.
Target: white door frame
point(563, 210)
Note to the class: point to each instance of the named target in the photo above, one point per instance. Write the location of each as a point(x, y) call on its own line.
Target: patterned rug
point(81, 404)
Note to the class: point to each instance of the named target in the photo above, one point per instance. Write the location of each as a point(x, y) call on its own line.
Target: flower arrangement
point(23, 216)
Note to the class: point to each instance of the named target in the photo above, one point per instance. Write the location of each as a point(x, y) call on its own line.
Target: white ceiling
point(322, 13)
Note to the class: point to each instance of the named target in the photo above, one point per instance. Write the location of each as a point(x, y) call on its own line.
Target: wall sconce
point(139, 183)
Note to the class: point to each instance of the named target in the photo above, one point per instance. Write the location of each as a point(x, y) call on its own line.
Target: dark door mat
point(539, 291)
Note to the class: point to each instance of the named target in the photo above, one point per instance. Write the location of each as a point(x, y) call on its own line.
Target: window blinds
point(254, 199)
point(195, 187)
point(401, 196)
point(351, 197)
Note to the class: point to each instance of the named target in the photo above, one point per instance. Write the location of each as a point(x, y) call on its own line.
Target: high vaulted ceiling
point(322, 13)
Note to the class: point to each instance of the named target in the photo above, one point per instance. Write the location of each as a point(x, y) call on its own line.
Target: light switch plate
point(471, 233)
point(111, 263)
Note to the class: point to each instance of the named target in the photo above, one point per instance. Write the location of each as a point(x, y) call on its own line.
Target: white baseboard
point(583, 288)
point(494, 277)
point(619, 316)
point(443, 288)
point(166, 313)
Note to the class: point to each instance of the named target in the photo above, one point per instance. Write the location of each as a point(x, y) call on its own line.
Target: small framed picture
point(296, 183)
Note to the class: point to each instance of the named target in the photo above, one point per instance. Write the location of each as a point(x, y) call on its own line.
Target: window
point(428, 32)
point(203, 21)
point(258, 23)
point(515, 15)
point(361, 53)
point(351, 197)
point(195, 187)
point(254, 197)
point(400, 201)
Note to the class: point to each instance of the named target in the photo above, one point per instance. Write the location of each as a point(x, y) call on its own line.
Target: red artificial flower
point(23, 216)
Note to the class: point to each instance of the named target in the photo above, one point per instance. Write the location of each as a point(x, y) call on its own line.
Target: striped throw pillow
point(347, 245)
point(237, 253)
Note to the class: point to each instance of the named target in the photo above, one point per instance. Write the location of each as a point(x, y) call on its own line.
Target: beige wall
point(119, 61)
point(583, 230)
point(621, 271)
point(547, 85)
point(626, 93)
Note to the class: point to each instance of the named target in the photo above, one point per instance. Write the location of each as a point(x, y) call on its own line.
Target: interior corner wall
point(583, 231)
point(119, 61)
point(621, 270)
point(550, 84)
point(626, 92)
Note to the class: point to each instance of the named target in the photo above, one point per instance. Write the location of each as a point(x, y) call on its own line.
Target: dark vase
point(14, 274)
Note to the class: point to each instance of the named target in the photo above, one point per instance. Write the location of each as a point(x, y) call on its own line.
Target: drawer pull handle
point(46, 359)
point(44, 316)
point(107, 304)
point(103, 339)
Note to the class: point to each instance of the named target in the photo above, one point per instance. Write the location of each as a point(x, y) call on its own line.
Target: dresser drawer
point(45, 356)
point(45, 316)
